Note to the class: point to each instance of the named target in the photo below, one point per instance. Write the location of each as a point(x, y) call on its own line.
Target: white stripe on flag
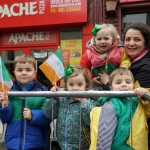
point(56, 64)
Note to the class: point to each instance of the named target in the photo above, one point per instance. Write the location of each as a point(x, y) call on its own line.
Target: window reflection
point(8, 59)
point(10, 55)
point(136, 17)
point(41, 56)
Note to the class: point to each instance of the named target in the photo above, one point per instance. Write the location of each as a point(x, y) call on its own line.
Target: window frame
point(128, 8)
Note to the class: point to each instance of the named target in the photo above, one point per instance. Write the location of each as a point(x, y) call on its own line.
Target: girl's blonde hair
point(111, 29)
point(76, 70)
point(23, 58)
point(120, 71)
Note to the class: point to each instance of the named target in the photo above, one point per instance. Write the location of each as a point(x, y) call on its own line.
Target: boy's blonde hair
point(119, 71)
point(109, 28)
point(76, 70)
point(23, 58)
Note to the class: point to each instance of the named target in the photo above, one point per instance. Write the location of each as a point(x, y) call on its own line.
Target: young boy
point(122, 123)
point(26, 123)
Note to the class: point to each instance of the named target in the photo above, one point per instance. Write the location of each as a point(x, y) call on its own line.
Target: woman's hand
point(96, 81)
point(104, 77)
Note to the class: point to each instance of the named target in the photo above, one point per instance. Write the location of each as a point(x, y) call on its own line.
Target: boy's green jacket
point(22, 133)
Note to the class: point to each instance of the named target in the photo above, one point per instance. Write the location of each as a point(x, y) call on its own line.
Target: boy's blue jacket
point(23, 134)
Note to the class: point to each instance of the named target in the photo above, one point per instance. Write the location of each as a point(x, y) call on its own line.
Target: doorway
point(39, 53)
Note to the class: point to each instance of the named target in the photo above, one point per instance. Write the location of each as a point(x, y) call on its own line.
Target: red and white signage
point(22, 38)
point(41, 12)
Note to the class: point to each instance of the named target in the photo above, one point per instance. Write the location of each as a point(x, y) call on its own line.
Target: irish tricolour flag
point(53, 67)
point(5, 80)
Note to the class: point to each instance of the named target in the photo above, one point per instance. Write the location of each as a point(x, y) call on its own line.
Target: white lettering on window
point(29, 37)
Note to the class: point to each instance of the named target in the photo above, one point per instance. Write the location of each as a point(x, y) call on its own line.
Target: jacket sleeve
point(86, 108)
point(125, 59)
point(51, 108)
point(38, 118)
point(107, 126)
point(85, 63)
point(145, 102)
point(6, 114)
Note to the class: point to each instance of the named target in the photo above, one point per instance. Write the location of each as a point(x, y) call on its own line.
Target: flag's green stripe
point(5, 73)
point(58, 54)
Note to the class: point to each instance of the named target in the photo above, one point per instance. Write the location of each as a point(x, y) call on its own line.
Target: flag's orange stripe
point(49, 72)
point(6, 89)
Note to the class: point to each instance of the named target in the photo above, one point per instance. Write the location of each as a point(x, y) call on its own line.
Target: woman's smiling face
point(134, 43)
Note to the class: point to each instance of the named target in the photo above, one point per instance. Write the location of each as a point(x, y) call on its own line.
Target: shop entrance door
point(39, 53)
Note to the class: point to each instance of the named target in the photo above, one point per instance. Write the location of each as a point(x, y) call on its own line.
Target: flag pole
point(2, 79)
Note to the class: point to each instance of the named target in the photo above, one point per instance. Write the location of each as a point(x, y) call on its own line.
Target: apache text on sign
point(30, 36)
point(27, 8)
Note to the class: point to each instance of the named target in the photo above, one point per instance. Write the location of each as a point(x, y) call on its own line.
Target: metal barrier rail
point(75, 94)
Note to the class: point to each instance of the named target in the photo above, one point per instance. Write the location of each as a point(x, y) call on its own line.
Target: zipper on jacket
point(22, 125)
point(106, 66)
point(66, 127)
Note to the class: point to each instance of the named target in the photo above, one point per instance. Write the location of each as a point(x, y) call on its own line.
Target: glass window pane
point(136, 17)
point(41, 56)
point(70, 34)
point(8, 59)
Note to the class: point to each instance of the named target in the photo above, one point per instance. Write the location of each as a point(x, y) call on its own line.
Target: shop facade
point(38, 27)
point(126, 11)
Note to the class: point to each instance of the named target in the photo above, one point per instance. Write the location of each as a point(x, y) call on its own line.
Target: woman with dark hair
point(137, 46)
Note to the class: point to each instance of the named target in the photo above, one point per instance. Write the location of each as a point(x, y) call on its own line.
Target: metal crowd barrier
point(75, 94)
point(72, 94)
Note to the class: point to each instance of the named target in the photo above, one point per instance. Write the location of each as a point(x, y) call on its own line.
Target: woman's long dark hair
point(143, 28)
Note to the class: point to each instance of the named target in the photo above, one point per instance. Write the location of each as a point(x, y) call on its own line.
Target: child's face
point(122, 83)
point(76, 83)
point(103, 41)
point(24, 73)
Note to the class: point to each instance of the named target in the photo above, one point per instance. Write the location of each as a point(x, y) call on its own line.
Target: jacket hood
point(32, 86)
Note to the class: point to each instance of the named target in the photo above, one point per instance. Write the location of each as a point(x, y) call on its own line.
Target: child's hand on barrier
point(140, 91)
point(54, 88)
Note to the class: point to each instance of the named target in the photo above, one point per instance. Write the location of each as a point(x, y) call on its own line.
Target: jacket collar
point(141, 55)
point(18, 86)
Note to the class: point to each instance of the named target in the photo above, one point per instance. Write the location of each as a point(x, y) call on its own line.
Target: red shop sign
point(41, 12)
point(39, 37)
point(123, 1)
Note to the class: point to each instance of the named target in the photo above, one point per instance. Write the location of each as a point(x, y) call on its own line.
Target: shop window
point(71, 47)
point(10, 55)
point(40, 56)
point(135, 17)
point(8, 58)
point(67, 34)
